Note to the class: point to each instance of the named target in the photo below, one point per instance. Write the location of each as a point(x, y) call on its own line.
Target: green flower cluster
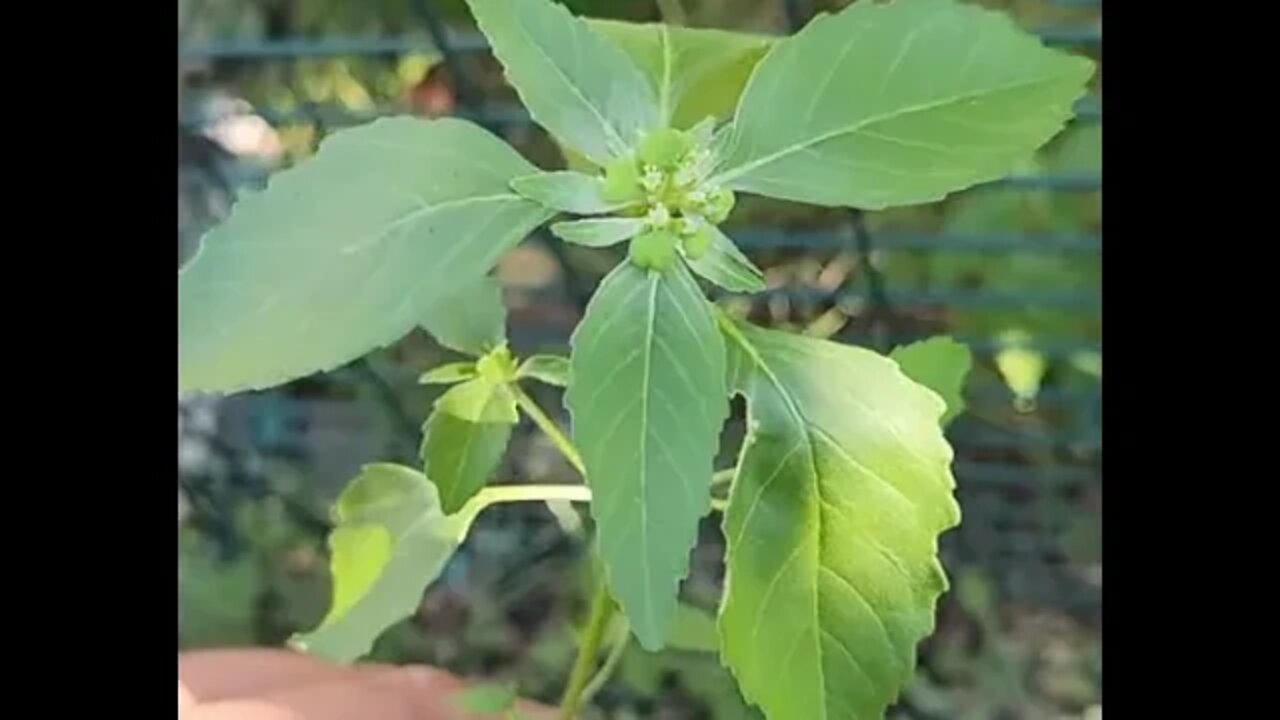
point(663, 182)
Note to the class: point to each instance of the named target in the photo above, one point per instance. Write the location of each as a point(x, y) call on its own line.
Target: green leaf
point(480, 400)
point(940, 364)
point(647, 399)
point(566, 191)
point(347, 252)
point(465, 437)
point(601, 232)
point(550, 369)
point(449, 373)
point(898, 103)
point(726, 266)
point(472, 320)
point(842, 490)
point(391, 541)
point(695, 72)
point(579, 86)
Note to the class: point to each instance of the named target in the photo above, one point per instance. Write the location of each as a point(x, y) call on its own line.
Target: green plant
point(843, 484)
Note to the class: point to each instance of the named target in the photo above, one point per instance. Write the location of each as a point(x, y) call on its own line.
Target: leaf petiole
point(548, 426)
point(533, 493)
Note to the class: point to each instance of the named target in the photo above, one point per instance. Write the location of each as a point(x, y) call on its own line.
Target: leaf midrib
point(727, 176)
point(664, 93)
point(425, 211)
point(613, 133)
point(803, 427)
point(647, 364)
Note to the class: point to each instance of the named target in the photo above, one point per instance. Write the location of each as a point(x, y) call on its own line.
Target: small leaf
point(347, 251)
point(940, 364)
point(579, 86)
point(647, 401)
point(471, 321)
point(480, 400)
point(390, 542)
point(550, 369)
point(459, 455)
point(898, 103)
point(726, 266)
point(566, 191)
point(695, 72)
point(449, 374)
point(843, 487)
point(598, 233)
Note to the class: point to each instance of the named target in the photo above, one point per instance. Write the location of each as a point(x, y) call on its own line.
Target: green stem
point(548, 426)
point(602, 606)
point(601, 611)
point(610, 664)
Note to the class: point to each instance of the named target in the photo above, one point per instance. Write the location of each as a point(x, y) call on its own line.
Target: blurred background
point(1012, 269)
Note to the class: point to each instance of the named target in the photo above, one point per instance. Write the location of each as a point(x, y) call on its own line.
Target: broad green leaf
point(550, 369)
point(465, 437)
point(566, 191)
point(391, 541)
point(647, 399)
point(940, 364)
point(899, 103)
point(726, 266)
point(598, 232)
point(480, 400)
point(575, 83)
point(347, 252)
point(471, 321)
point(695, 72)
point(449, 374)
point(843, 487)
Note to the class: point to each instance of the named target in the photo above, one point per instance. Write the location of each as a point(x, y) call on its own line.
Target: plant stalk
point(602, 605)
point(601, 611)
point(610, 664)
point(548, 426)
